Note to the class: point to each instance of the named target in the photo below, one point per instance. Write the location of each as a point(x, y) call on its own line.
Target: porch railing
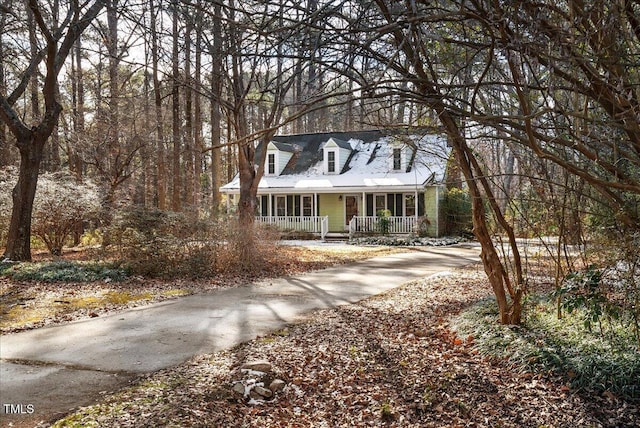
point(381, 225)
point(312, 224)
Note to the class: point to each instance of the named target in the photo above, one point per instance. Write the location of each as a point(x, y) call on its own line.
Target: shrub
point(587, 360)
point(7, 182)
point(250, 248)
point(383, 221)
point(456, 207)
point(584, 290)
point(64, 271)
point(422, 226)
point(60, 205)
point(152, 242)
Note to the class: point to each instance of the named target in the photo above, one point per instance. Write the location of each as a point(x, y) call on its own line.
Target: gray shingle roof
point(369, 165)
point(311, 146)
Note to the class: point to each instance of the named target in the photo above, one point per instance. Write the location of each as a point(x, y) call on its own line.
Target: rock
point(255, 396)
point(263, 392)
point(277, 385)
point(259, 366)
point(238, 388)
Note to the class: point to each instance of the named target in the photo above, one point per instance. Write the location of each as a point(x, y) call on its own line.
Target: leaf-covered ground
point(392, 360)
point(27, 305)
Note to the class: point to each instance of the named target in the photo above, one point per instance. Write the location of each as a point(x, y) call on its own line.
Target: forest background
point(120, 120)
point(156, 104)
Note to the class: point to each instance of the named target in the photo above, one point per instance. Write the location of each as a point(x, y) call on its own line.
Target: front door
point(350, 208)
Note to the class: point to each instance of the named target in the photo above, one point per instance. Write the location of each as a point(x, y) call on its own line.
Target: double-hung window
point(331, 161)
point(409, 205)
point(271, 164)
point(397, 159)
point(381, 204)
point(281, 206)
point(307, 206)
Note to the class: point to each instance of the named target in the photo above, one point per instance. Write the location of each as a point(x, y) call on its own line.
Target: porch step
point(336, 236)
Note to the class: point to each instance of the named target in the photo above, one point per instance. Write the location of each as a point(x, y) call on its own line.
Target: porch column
point(364, 205)
point(228, 197)
point(437, 211)
point(417, 204)
point(270, 205)
point(315, 204)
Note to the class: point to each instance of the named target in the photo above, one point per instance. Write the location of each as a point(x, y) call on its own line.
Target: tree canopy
point(161, 102)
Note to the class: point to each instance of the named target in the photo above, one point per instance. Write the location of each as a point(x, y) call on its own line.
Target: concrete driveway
point(47, 372)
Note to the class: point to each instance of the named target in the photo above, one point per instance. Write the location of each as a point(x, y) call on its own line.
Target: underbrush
point(587, 360)
point(156, 243)
point(64, 271)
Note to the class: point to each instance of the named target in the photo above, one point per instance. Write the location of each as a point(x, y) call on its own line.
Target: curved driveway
point(56, 369)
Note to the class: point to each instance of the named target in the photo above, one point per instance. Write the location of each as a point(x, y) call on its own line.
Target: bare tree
point(5, 151)
point(157, 92)
point(176, 170)
point(216, 106)
point(31, 139)
point(402, 45)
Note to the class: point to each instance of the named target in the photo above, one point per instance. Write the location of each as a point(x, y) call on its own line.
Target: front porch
point(377, 225)
point(358, 225)
point(312, 224)
point(350, 213)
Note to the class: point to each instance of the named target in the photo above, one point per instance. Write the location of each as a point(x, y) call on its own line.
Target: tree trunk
point(5, 150)
point(75, 160)
point(197, 110)
point(247, 203)
point(160, 152)
point(189, 176)
point(215, 113)
point(146, 195)
point(35, 79)
point(175, 117)
point(19, 236)
point(510, 311)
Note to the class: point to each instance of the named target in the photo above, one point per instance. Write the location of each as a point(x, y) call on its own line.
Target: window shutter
point(296, 205)
point(391, 203)
point(369, 204)
point(289, 205)
point(420, 204)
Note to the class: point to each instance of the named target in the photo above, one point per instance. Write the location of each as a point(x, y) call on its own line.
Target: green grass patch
point(177, 292)
point(64, 271)
point(587, 359)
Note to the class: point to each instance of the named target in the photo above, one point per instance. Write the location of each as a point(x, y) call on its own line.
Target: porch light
point(340, 197)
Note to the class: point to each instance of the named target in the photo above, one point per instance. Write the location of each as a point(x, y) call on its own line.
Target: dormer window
point(331, 162)
point(336, 154)
point(271, 163)
point(278, 155)
point(397, 159)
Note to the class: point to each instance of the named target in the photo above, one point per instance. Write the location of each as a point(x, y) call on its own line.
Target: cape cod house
point(342, 183)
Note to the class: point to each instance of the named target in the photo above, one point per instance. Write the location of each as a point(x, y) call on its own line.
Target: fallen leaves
point(392, 360)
